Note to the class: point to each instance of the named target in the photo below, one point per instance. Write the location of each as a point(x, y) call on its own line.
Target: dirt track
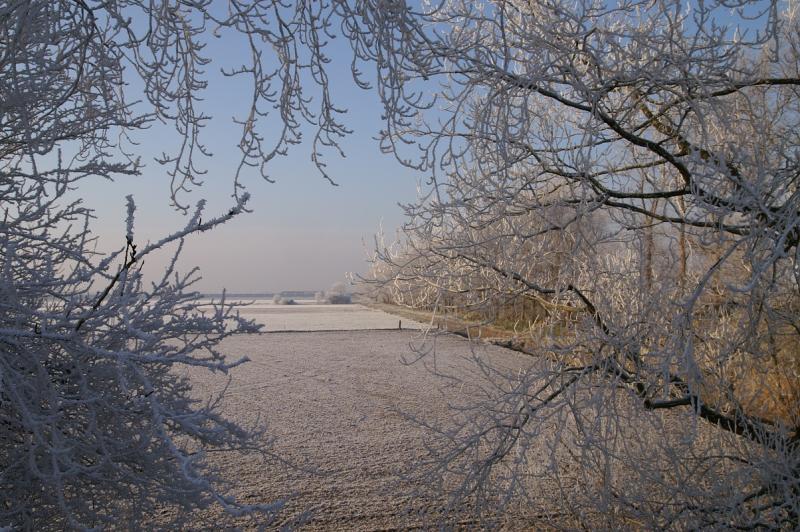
point(336, 404)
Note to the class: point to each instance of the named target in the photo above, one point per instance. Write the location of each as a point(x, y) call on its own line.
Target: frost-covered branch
point(616, 185)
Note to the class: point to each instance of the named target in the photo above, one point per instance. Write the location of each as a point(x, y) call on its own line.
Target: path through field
point(337, 404)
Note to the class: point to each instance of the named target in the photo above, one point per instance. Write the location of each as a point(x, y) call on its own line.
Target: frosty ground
point(339, 404)
point(309, 316)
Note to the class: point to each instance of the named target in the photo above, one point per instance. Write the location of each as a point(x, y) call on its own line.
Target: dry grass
point(765, 387)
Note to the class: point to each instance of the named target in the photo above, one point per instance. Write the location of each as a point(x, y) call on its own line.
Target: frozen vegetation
point(621, 178)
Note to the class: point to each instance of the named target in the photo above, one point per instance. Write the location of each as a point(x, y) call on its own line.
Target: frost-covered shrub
point(98, 427)
point(280, 299)
point(340, 299)
point(631, 169)
point(338, 295)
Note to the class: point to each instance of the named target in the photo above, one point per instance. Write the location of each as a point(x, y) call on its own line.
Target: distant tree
point(97, 425)
point(633, 166)
point(337, 294)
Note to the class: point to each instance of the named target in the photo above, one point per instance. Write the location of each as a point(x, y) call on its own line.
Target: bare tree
point(97, 427)
point(634, 167)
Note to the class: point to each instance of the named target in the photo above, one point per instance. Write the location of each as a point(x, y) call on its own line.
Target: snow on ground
point(308, 316)
point(337, 404)
point(343, 410)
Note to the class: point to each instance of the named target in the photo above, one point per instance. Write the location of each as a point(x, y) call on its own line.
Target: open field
point(309, 316)
point(338, 405)
point(355, 416)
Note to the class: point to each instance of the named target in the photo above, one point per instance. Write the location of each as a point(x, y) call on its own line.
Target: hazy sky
point(303, 233)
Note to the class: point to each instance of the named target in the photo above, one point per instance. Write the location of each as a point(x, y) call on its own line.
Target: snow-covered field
point(306, 315)
point(338, 405)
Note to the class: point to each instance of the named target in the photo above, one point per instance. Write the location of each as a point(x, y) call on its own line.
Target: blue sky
point(303, 233)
